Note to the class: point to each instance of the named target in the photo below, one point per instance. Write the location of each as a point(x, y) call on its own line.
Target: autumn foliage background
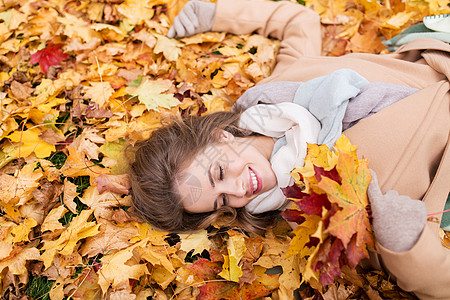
point(82, 79)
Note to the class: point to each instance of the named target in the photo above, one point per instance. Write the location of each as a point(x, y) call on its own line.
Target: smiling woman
point(193, 171)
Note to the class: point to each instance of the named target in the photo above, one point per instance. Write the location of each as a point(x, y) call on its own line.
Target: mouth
point(255, 181)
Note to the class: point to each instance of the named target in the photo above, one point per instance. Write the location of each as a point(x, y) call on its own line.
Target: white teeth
point(254, 181)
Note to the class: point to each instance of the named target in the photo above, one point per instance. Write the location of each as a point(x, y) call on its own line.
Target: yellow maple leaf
point(7, 126)
point(146, 231)
point(197, 241)
point(99, 92)
point(301, 238)
point(309, 275)
point(76, 27)
point(158, 256)
point(150, 93)
point(236, 249)
point(170, 48)
point(111, 237)
point(48, 90)
point(136, 11)
point(29, 142)
point(79, 228)
point(21, 231)
point(77, 165)
point(51, 222)
point(110, 32)
point(115, 272)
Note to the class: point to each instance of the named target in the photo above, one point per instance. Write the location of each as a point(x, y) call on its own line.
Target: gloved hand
point(267, 93)
point(195, 17)
point(398, 220)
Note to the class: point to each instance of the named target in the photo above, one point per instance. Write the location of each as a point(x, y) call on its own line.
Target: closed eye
point(220, 172)
point(224, 200)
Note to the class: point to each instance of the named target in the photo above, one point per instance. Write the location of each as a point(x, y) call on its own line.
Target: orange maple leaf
point(351, 196)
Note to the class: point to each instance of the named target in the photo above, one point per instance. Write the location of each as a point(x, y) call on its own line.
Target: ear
point(223, 135)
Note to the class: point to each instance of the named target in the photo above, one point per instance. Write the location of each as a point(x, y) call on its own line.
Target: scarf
point(325, 99)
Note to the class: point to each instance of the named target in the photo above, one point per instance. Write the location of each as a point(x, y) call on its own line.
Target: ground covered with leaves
point(82, 79)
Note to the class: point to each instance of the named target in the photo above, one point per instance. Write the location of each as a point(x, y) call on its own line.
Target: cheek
point(237, 203)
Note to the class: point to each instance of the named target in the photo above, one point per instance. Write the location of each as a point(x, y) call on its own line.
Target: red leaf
point(313, 241)
point(205, 269)
point(312, 204)
point(49, 56)
point(230, 290)
point(292, 215)
point(335, 251)
point(355, 253)
point(293, 191)
point(328, 273)
point(332, 174)
point(328, 269)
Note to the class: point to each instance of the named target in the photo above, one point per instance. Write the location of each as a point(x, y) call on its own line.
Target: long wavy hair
point(156, 163)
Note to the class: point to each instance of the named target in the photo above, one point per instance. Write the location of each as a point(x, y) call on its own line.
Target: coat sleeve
point(399, 142)
point(297, 27)
point(424, 269)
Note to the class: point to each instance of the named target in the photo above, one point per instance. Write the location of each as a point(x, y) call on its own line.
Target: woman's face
point(231, 172)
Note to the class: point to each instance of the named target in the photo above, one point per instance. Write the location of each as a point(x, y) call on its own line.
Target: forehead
point(191, 188)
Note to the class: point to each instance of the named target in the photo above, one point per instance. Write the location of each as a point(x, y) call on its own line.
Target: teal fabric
point(445, 222)
point(416, 31)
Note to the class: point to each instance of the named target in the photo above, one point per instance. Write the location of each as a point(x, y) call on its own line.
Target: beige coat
point(406, 143)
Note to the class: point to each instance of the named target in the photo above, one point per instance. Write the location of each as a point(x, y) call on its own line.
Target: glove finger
point(187, 24)
point(189, 14)
point(374, 190)
point(179, 29)
point(171, 33)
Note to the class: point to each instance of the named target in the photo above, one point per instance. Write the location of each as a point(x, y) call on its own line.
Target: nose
point(235, 190)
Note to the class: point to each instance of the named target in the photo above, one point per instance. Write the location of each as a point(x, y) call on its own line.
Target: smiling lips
point(255, 181)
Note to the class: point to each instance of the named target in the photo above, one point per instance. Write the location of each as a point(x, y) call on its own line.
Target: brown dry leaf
point(103, 204)
point(86, 286)
point(111, 237)
point(119, 184)
point(51, 222)
point(19, 189)
point(78, 229)
point(17, 263)
point(116, 272)
point(21, 91)
point(77, 165)
point(70, 192)
point(51, 137)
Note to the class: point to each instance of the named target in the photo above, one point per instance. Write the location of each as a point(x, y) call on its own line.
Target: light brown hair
point(156, 163)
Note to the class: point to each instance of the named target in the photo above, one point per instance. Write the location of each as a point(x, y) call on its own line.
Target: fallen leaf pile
point(80, 80)
point(330, 194)
point(362, 25)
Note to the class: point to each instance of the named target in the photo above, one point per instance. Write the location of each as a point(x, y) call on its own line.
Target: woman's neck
point(262, 143)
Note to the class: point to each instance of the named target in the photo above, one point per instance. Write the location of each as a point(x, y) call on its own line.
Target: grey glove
point(398, 220)
point(195, 17)
point(267, 93)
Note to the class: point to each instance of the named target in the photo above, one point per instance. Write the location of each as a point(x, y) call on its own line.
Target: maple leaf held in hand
point(49, 56)
point(150, 94)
